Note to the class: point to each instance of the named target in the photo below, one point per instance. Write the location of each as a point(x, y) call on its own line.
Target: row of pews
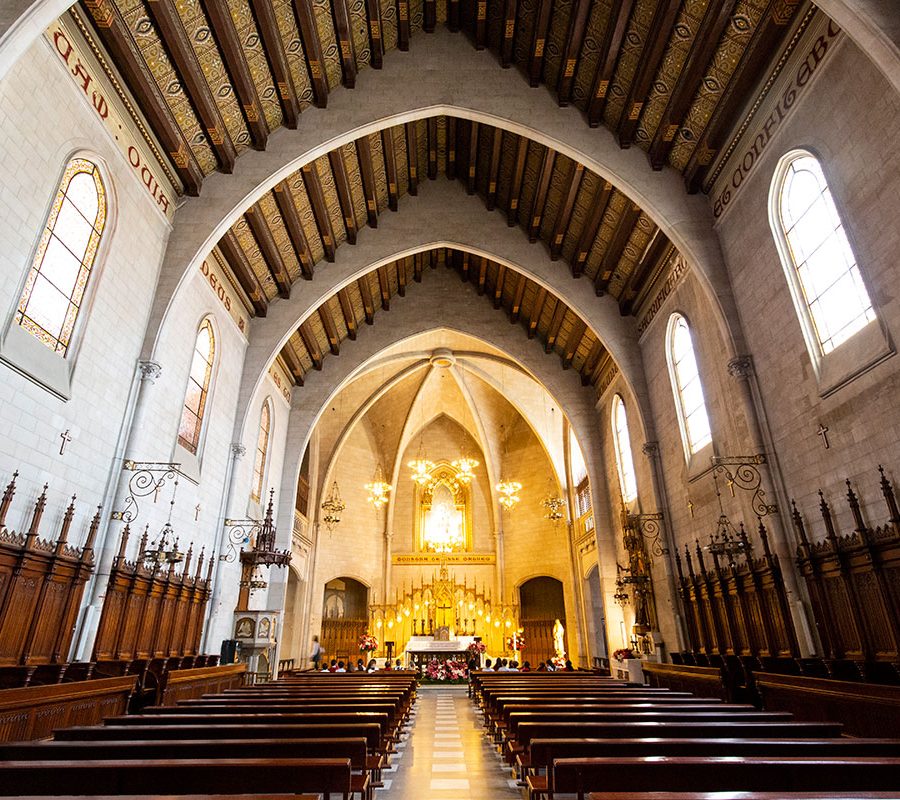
point(307, 735)
point(586, 735)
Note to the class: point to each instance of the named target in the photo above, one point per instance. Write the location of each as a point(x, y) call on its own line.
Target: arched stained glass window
point(622, 442)
point(198, 388)
point(262, 450)
point(831, 299)
point(59, 274)
point(686, 386)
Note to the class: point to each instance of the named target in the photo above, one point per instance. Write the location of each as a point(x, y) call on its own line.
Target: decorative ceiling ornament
point(333, 507)
point(378, 490)
point(465, 469)
point(421, 467)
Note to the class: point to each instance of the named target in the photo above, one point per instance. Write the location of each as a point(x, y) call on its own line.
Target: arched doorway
point(344, 617)
point(541, 603)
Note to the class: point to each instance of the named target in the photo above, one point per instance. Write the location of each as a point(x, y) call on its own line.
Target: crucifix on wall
point(823, 432)
point(65, 440)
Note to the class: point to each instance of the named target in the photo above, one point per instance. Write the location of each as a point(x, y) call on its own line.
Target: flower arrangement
point(367, 643)
point(477, 648)
point(623, 654)
point(558, 662)
point(449, 671)
point(515, 642)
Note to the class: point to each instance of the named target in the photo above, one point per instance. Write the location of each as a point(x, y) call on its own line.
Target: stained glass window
point(198, 388)
point(262, 449)
point(686, 386)
point(814, 244)
point(55, 288)
point(622, 442)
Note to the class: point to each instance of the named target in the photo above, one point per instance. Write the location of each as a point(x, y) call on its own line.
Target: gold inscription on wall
point(449, 558)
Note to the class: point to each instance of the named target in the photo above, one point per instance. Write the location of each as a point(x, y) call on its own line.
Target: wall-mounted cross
point(823, 432)
point(65, 440)
point(197, 512)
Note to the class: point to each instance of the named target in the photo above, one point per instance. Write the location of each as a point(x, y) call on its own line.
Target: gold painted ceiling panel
point(275, 224)
point(359, 32)
point(589, 61)
point(354, 178)
point(252, 47)
point(556, 40)
point(307, 218)
point(294, 52)
point(389, 24)
point(331, 54)
point(332, 202)
point(629, 59)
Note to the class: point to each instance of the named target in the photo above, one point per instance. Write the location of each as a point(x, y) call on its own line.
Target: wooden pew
point(740, 795)
point(326, 776)
point(704, 774)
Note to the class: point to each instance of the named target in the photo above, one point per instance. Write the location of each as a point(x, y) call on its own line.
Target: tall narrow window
point(831, 299)
point(198, 388)
point(622, 443)
point(262, 450)
point(685, 376)
point(56, 283)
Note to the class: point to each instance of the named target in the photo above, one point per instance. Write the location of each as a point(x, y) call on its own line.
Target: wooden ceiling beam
point(613, 253)
point(293, 364)
point(573, 340)
point(412, 157)
point(384, 286)
point(464, 261)
point(403, 25)
point(376, 39)
point(113, 33)
point(229, 45)
point(347, 312)
point(451, 147)
point(539, 42)
point(319, 208)
point(591, 228)
point(345, 195)
point(291, 219)
point(657, 41)
point(365, 291)
point(610, 45)
point(312, 48)
point(401, 277)
point(537, 309)
point(480, 24)
point(499, 285)
point(516, 308)
point(601, 365)
point(334, 342)
point(571, 51)
point(311, 345)
point(482, 274)
point(473, 156)
point(706, 42)
point(429, 16)
point(494, 168)
point(432, 148)
point(515, 193)
point(559, 314)
point(656, 252)
point(364, 154)
point(540, 194)
point(266, 243)
point(509, 33)
point(418, 267)
point(591, 362)
point(273, 46)
point(767, 39)
point(237, 262)
point(564, 217)
point(390, 167)
point(175, 39)
point(341, 14)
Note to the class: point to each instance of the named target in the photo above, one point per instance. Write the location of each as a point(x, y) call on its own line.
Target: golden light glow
point(465, 469)
point(509, 493)
point(378, 490)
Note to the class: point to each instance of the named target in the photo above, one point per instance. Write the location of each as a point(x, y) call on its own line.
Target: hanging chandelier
point(333, 507)
point(378, 490)
point(509, 493)
point(165, 549)
point(725, 540)
point(465, 469)
point(554, 504)
point(421, 467)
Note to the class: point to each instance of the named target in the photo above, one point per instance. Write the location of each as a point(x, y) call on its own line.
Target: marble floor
point(446, 756)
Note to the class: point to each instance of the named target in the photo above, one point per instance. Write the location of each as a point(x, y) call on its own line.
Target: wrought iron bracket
point(149, 478)
point(650, 530)
point(743, 472)
point(240, 533)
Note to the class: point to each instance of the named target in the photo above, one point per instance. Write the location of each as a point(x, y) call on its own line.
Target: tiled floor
point(446, 756)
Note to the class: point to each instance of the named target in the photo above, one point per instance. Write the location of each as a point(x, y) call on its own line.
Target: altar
point(422, 649)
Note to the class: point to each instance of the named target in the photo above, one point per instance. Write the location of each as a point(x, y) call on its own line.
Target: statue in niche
point(559, 642)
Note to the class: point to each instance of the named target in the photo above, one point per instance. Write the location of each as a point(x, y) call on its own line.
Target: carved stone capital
point(238, 450)
point(150, 371)
point(650, 449)
point(741, 367)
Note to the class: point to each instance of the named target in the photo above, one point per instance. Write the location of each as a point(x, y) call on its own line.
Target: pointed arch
point(196, 396)
point(622, 445)
point(687, 387)
point(261, 458)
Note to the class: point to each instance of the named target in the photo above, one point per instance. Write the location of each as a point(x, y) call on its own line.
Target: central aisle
point(447, 754)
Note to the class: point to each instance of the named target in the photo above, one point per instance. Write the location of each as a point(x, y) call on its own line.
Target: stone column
point(741, 368)
point(584, 651)
point(388, 551)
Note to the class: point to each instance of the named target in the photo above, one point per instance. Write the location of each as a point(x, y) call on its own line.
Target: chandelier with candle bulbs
point(333, 507)
point(378, 490)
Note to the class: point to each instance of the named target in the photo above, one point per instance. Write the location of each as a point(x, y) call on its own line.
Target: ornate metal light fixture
point(421, 467)
point(620, 596)
point(465, 469)
point(165, 549)
point(378, 489)
point(509, 493)
point(333, 507)
point(725, 540)
point(554, 504)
